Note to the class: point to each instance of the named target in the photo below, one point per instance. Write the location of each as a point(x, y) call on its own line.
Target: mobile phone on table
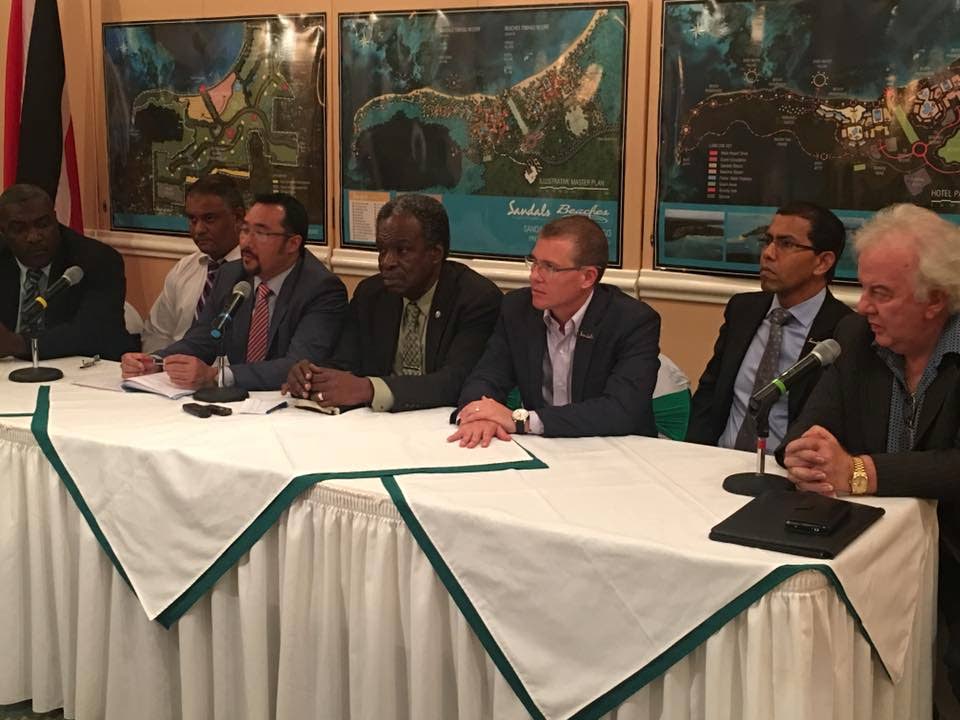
point(198, 410)
point(816, 514)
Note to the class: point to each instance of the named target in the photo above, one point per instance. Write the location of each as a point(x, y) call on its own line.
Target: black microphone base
point(221, 394)
point(35, 375)
point(754, 483)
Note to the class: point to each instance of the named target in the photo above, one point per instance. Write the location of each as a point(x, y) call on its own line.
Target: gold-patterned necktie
point(410, 350)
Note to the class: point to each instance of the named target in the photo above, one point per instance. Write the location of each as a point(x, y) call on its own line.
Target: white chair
point(132, 319)
point(671, 400)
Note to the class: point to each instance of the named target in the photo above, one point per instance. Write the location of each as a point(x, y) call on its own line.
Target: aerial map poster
point(854, 105)
point(511, 117)
point(238, 96)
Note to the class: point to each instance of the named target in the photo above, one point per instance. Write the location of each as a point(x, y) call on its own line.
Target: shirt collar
point(234, 254)
point(275, 283)
point(424, 301)
point(805, 312)
point(577, 318)
point(949, 342)
point(24, 269)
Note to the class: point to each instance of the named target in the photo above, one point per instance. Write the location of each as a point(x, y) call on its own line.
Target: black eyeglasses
point(785, 244)
point(261, 233)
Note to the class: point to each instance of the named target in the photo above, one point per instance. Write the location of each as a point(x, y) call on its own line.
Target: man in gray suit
point(295, 310)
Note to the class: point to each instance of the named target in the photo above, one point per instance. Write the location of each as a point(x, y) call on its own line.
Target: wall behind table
point(691, 306)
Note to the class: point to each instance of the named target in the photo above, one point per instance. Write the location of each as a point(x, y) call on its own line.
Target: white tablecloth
point(336, 613)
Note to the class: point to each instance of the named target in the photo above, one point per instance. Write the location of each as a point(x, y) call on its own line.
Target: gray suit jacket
point(305, 324)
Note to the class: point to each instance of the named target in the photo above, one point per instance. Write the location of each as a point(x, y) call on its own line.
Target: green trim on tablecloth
point(647, 674)
point(38, 426)
point(263, 522)
point(458, 596)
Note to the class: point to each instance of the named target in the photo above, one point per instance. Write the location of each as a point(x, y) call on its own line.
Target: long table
point(440, 594)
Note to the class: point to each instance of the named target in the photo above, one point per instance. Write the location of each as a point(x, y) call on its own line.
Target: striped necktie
point(32, 286)
point(213, 267)
point(259, 325)
point(766, 371)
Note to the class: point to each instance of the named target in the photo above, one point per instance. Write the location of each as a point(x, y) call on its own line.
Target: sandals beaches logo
point(542, 210)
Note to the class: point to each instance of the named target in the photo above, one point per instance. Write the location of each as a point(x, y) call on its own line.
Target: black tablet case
point(760, 524)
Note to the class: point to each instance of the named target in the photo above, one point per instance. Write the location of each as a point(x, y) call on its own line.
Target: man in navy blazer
point(305, 301)
point(85, 319)
point(801, 249)
point(584, 355)
point(456, 309)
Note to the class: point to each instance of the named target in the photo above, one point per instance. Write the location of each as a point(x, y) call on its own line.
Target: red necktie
point(259, 325)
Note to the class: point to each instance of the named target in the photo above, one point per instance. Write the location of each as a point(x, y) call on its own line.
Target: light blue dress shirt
point(794, 335)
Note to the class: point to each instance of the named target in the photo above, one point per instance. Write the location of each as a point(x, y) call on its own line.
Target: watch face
point(520, 414)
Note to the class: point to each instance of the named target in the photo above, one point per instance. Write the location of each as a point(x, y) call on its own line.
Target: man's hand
point(11, 343)
point(488, 409)
point(134, 363)
point(478, 432)
point(816, 462)
point(299, 379)
point(338, 388)
point(187, 371)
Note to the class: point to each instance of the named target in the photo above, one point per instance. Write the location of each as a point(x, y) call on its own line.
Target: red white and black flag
point(38, 140)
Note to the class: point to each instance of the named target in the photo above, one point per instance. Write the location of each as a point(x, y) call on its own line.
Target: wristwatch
point(520, 416)
point(858, 481)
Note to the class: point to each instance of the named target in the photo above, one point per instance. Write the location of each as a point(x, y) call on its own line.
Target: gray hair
point(936, 241)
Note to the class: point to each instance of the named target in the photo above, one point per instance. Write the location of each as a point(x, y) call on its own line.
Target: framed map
point(239, 96)
point(853, 105)
point(510, 116)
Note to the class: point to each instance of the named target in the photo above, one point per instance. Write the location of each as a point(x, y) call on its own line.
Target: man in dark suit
point(295, 310)
point(765, 333)
point(584, 355)
point(885, 418)
point(414, 331)
point(85, 319)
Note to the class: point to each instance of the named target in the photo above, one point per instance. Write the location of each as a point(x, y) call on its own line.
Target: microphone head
point(73, 274)
point(827, 351)
point(243, 289)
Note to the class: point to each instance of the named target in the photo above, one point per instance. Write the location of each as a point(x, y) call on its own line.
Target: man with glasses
point(764, 333)
point(415, 330)
point(584, 355)
point(295, 310)
point(85, 319)
point(214, 210)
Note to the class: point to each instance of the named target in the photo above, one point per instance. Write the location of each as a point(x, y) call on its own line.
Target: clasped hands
point(482, 420)
point(185, 371)
point(328, 387)
point(816, 462)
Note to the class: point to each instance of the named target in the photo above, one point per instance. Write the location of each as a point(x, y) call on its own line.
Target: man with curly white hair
point(885, 419)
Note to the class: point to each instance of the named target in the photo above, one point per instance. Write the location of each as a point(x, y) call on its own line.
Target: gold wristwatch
point(858, 480)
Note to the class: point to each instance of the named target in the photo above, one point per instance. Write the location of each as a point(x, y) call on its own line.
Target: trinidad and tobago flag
point(38, 140)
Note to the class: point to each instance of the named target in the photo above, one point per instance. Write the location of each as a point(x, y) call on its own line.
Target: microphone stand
point(221, 393)
point(759, 482)
point(35, 373)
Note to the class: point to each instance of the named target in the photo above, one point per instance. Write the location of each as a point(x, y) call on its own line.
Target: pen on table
point(157, 360)
point(84, 364)
point(281, 406)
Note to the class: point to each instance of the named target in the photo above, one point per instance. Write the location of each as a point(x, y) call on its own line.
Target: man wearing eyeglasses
point(295, 310)
point(584, 355)
point(214, 210)
point(764, 333)
point(415, 330)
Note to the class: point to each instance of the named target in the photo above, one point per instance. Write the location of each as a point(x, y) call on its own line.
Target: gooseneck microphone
point(823, 354)
point(241, 291)
point(71, 276)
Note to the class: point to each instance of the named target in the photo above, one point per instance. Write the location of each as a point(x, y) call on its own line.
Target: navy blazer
point(713, 399)
point(615, 365)
point(86, 319)
point(462, 315)
point(305, 324)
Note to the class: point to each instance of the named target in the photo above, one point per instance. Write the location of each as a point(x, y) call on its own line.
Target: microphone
point(824, 353)
point(71, 276)
point(240, 293)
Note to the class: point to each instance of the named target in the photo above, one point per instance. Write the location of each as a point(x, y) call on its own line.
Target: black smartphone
point(220, 410)
point(201, 411)
point(816, 515)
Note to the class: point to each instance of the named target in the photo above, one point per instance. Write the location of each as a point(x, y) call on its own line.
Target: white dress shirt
point(173, 312)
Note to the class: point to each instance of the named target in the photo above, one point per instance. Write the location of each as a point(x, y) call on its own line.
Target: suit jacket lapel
point(935, 396)
point(386, 329)
point(536, 349)
point(282, 304)
point(875, 392)
point(587, 340)
point(438, 317)
point(9, 290)
point(241, 319)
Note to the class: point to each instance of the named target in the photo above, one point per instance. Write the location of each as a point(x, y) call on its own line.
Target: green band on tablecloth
point(263, 522)
point(38, 426)
point(458, 595)
point(653, 670)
